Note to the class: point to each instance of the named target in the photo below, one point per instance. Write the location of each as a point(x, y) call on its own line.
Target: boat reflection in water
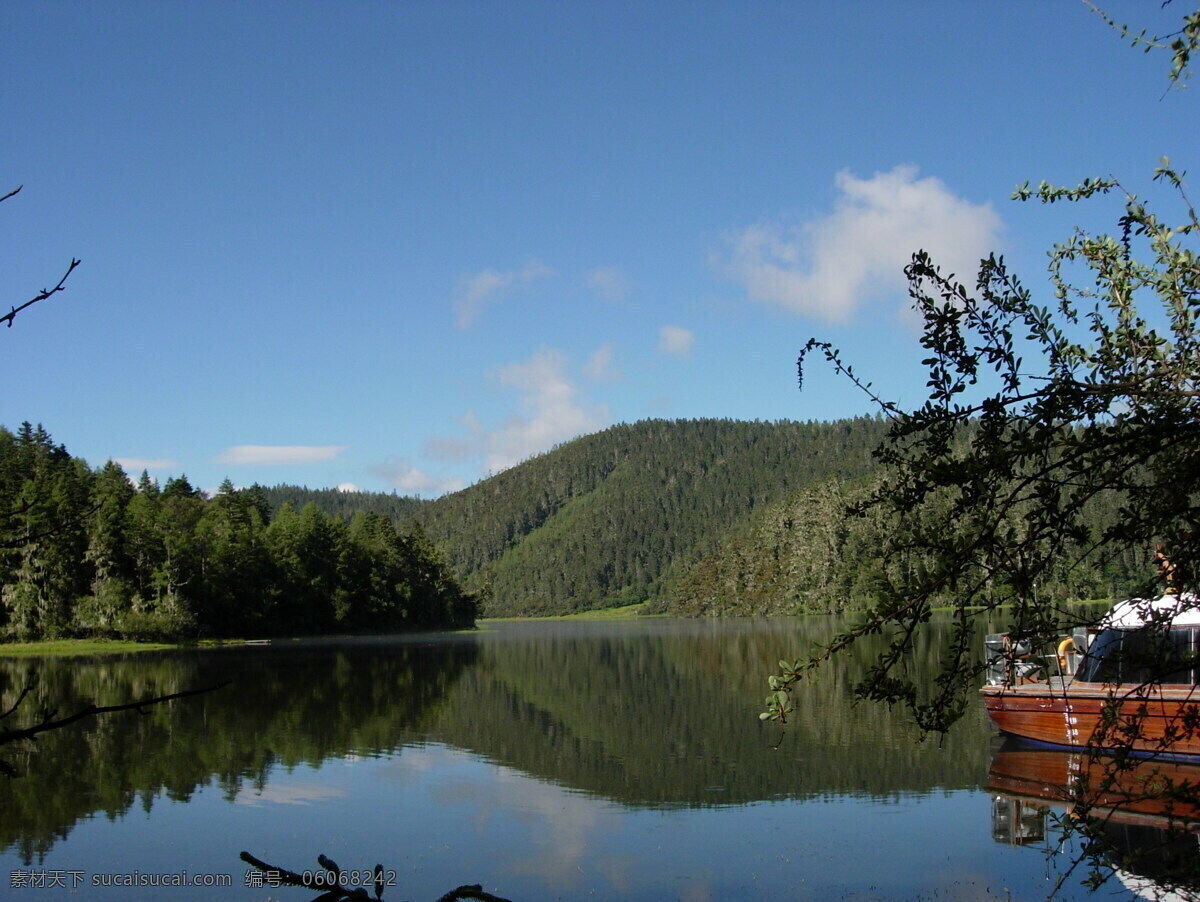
point(1135, 820)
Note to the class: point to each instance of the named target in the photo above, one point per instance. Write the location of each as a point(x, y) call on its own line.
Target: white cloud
point(609, 282)
point(401, 474)
point(278, 455)
point(830, 266)
point(137, 464)
point(675, 340)
point(550, 411)
point(348, 487)
point(599, 367)
point(477, 291)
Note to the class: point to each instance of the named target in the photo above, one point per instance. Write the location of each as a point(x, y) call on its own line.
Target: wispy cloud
point(400, 473)
point(484, 288)
point(137, 464)
point(675, 340)
point(599, 367)
point(278, 455)
point(610, 282)
point(828, 267)
point(549, 411)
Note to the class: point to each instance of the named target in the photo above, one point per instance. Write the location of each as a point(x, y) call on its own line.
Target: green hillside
point(622, 515)
point(816, 552)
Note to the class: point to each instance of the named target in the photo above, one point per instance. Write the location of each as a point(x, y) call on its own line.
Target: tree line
point(85, 552)
point(700, 517)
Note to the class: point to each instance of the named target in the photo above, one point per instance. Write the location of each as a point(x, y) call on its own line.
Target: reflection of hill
point(286, 705)
point(657, 713)
point(665, 714)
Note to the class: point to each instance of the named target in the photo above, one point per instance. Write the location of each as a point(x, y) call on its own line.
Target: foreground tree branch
point(330, 881)
point(8, 318)
point(1050, 439)
point(51, 721)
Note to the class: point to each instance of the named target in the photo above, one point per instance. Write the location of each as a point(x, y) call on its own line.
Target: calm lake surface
point(605, 760)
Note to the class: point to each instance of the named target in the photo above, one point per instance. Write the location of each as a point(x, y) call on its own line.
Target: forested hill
point(814, 552)
point(619, 516)
point(339, 503)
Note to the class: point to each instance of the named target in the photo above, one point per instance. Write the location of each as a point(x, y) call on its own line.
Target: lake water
point(605, 760)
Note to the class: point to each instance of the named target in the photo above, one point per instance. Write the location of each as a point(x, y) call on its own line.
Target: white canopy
point(1180, 610)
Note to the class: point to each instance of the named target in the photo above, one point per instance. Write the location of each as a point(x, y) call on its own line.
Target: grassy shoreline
point(625, 612)
point(46, 647)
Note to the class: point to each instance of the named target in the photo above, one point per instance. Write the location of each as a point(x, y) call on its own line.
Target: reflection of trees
point(660, 717)
point(287, 705)
point(646, 714)
point(52, 719)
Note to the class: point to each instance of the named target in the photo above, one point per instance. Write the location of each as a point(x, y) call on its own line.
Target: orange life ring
point(1065, 647)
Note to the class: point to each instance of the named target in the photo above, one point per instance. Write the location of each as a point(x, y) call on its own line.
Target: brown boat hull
point(1150, 719)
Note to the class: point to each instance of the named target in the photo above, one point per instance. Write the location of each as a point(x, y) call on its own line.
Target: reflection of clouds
point(564, 827)
point(619, 871)
point(289, 794)
point(694, 890)
point(561, 824)
point(421, 758)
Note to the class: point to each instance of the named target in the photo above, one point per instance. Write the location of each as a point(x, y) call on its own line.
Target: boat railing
point(1010, 662)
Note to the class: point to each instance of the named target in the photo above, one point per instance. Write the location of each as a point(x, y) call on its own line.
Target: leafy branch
point(1182, 43)
point(1036, 419)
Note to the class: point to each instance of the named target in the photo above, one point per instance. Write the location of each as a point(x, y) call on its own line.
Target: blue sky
point(403, 245)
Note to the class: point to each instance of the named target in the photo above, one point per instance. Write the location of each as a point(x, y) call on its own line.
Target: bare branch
point(49, 723)
point(328, 881)
point(8, 318)
point(20, 698)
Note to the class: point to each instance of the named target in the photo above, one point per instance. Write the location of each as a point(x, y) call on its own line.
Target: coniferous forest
point(85, 552)
point(622, 515)
point(697, 517)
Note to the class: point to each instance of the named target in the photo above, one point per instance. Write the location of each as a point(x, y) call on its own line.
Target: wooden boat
point(1129, 683)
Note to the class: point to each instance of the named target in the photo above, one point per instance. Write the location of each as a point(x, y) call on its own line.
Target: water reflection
point(666, 716)
point(1132, 822)
point(647, 715)
point(621, 759)
point(285, 706)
